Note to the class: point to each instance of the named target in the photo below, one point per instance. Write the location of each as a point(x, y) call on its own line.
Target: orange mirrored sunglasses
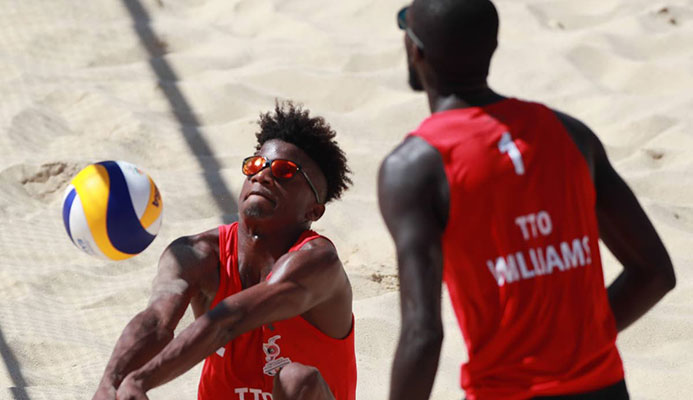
point(280, 169)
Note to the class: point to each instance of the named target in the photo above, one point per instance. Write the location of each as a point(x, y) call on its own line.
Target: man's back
point(522, 190)
point(520, 252)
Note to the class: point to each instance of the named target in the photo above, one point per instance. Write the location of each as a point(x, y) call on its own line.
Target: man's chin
point(255, 211)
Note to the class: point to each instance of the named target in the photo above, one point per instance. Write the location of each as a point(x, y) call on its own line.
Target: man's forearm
point(632, 295)
point(415, 365)
point(141, 340)
point(191, 346)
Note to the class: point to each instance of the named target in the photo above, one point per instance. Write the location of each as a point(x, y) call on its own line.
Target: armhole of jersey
point(225, 234)
point(582, 156)
point(323, 336)
point(570, 136)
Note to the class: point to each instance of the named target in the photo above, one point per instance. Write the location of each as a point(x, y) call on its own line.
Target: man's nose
point(263, 176)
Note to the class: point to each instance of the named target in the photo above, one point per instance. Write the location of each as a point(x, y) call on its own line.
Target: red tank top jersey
point(521, 253)
point(244, 368)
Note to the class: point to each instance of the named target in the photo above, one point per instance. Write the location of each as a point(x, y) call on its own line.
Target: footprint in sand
point(574, 15)
point(28, 188)
point(671, 15)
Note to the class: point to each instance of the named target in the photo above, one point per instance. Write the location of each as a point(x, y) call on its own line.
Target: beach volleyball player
point(272, 302)
point(506, 200)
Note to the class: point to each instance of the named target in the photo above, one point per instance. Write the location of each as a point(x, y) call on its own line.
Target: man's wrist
point(138, 378)
point(107, 381)
point(112, 378)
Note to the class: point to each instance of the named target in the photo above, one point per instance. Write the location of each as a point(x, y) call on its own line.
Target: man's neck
point(455, 98)
point(259, 249)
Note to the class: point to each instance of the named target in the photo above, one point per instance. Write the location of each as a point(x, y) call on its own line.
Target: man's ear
point(315, 212)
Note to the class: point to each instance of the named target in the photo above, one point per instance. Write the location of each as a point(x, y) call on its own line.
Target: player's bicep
point(183, 267)
point(408, 185)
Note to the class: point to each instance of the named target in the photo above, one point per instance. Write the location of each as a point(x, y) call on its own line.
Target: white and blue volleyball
point(112, 209)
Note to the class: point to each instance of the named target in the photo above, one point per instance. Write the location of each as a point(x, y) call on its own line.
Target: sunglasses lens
point(402, 18)
point(284, 169)
point(253, 165)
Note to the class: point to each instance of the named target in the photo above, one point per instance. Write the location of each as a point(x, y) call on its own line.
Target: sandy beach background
point(175, 87)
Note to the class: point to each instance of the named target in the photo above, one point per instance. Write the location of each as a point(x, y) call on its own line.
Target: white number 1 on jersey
point(506, 145)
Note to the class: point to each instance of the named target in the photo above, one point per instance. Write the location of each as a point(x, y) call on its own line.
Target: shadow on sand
point(17, 390)
point(226, 201)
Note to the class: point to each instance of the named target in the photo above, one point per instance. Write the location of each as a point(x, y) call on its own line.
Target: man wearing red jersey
point(506, 200)
point(270, 297)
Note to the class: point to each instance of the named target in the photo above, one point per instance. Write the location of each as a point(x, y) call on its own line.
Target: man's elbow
point(666, 280)
point(423, 336)
point(660, 281)
point(148, 323)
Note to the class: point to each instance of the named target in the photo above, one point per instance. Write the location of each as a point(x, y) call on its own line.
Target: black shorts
point(616, 391)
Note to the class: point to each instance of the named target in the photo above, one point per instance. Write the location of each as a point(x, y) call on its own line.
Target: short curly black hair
point(293, 124)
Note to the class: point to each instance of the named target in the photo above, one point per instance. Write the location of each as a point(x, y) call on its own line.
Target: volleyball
point(112, 209)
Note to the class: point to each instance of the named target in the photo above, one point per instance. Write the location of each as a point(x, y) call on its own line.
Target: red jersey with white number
point(245, 367)
point(521, 253)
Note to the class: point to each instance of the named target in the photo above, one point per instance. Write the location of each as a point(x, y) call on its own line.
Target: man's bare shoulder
point(412, 179)
point(319, 245)
point(189, 264)
point(413, 157)
point(317, 256)
point(204, 244)
point(412, 167)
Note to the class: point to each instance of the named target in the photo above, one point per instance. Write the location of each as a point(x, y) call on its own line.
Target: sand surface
point(175, 87)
